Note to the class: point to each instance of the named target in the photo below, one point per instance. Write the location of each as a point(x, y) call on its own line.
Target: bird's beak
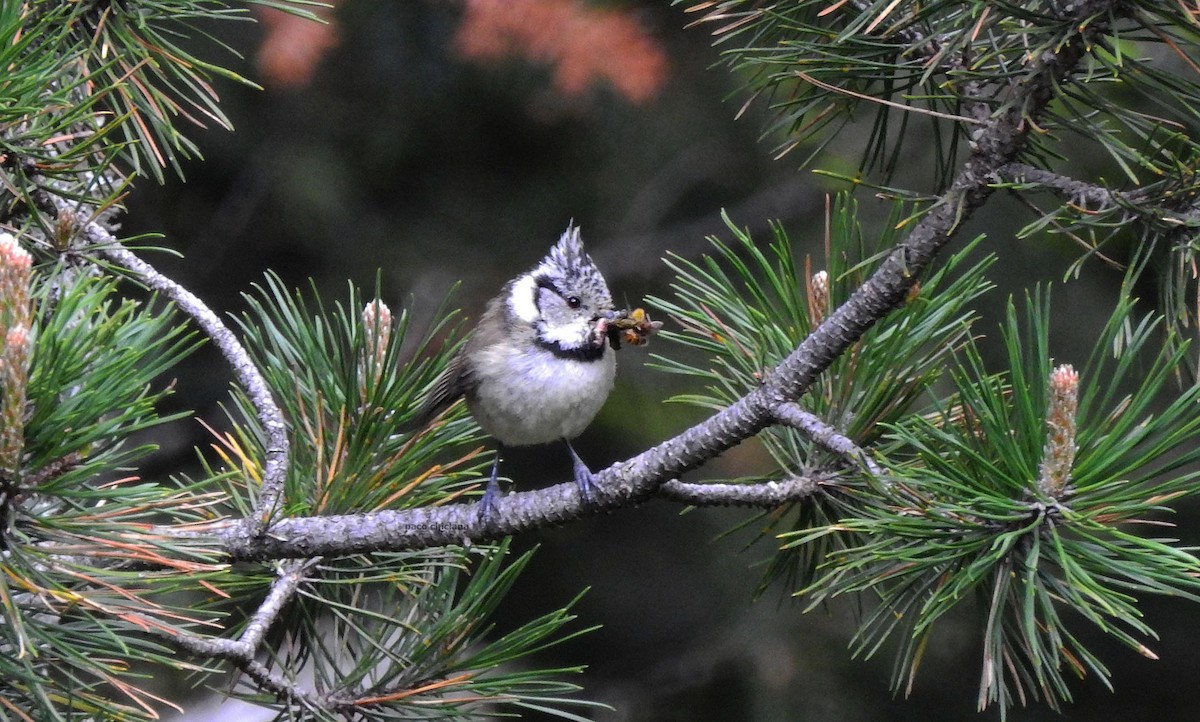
point(600, 332)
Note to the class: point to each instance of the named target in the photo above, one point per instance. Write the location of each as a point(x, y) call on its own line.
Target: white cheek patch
point(522, 299)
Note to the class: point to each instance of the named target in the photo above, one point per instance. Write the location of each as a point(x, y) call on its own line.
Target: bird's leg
point(487, 504)
point(584, 478)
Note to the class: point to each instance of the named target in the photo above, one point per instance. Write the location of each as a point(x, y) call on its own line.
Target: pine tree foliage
point(746, 308)
point(404, 637)
point(72, 619)
point(964, 515)
point(957, 510)
point(911, 472)
point(962, 509)
point(928, 74)
point(102, 579)
point(350, 403)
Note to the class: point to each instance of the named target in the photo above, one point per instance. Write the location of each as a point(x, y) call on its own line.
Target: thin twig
point(242, 652)
point(245, 647)
point(824, 435)
point(767, 494)
point(291, 575)
point(1078, 192)
point(283, 688)
point(1092, 197)
point(245, 371)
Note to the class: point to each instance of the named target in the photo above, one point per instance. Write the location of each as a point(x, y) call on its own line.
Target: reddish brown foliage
point(582, 43)
point(292, 46)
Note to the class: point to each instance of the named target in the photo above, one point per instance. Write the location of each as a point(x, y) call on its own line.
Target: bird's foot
point(584, 478)
point(486, 512)
point(491, 494)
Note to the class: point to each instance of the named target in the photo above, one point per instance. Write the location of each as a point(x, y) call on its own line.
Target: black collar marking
point(587, 352)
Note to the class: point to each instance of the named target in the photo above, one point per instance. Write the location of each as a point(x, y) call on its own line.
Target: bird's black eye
point(573, 301)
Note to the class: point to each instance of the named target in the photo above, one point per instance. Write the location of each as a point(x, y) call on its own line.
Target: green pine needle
point(964, 519)
point(746, 307)
point(420, 645)
point(359, 450)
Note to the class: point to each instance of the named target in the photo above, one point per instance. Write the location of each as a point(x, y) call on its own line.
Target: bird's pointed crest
point(569, 270)
point(568, 252)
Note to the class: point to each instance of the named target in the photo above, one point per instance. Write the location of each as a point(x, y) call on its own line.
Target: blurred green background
point(400, 159)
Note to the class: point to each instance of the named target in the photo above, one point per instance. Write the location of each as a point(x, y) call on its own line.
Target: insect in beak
point(632, 327)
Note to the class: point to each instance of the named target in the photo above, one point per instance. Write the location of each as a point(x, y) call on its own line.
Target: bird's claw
point(486, 512)
point(587, 485)
point(585, 480)
point(491, 493)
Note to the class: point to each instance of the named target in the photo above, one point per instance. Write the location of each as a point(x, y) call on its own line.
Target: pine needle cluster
point(106, 578)
point(321, 560)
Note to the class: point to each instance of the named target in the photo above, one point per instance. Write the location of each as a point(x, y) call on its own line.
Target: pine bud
point(1059, 453)
point(377, 327)
point(15, 270)
point(16, 314)
point(818, 298)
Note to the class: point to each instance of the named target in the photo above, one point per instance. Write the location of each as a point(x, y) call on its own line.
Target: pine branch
point(275, 465)
point(243, 651)
point(1092, 198)
point(767, 495)
point(1077, 192)
point(824, 435)
point(633, 481)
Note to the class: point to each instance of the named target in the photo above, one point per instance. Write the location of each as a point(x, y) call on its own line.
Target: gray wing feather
point(457, 380)
point(448, 388)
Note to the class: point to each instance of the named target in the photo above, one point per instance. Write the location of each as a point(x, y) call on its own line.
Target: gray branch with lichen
point(999, 139)
point(636, 480)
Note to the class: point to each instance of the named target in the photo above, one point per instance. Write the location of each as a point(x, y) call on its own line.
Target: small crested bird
point(537, 367)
